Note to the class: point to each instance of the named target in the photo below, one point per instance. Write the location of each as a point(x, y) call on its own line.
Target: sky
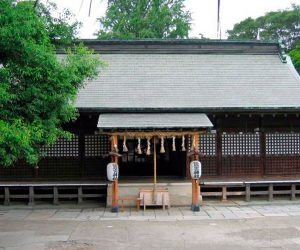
point(204, 13)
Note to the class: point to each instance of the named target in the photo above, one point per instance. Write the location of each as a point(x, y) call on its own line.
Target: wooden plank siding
point(233, 149)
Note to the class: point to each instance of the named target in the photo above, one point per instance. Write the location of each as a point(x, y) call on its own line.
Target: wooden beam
point(154, 163)
point(115, 186)
point(195, 182)
point(156, 133)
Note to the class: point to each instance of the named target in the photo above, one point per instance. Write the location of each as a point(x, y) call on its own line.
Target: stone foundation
point(180, 193)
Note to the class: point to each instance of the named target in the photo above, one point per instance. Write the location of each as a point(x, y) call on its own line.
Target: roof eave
point(191, 110)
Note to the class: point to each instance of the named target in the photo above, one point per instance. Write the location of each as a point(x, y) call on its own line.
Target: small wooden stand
point(155, 197)
point(135, 199)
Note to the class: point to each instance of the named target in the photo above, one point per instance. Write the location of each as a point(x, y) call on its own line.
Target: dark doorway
point(171, 163)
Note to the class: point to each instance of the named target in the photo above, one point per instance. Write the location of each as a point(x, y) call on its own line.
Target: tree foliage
point(295, 55)
point(281, 25)
point(37, 90)
point(134, 19)
point(61, 27)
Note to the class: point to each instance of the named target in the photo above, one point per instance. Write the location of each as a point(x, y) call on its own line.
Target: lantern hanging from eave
point(112, 171)
point(195, 169)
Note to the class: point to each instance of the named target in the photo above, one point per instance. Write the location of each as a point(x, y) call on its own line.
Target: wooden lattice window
point(240, 144)
point(283, 144)
point(62, 148)
point(208, 144)
point(96, 145)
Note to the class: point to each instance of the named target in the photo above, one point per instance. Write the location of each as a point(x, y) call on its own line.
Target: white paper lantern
point(195, 169)
point(112, 171)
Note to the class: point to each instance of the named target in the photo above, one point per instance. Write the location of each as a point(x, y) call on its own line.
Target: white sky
point(204, 13)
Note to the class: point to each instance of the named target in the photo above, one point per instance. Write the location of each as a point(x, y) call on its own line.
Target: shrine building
point(236, 103)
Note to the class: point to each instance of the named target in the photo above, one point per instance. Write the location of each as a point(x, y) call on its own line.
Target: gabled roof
point(153, 121)
point(191, 75)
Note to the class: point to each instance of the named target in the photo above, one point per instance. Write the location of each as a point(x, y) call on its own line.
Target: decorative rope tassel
point(139, 150)
point(125, 149)
point(183, 144)
point(173, 144)
point(194, 143)
point(162, 148)
point(115, 146)
point(148, 147)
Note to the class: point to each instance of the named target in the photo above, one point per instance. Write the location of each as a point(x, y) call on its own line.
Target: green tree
point(295, 55)
point(37, 90)
point(281, 25)
point(59, 25)
point(134, 19)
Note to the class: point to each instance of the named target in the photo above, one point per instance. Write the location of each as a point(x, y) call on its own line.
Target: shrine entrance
point(153, 145)
point(169, 164)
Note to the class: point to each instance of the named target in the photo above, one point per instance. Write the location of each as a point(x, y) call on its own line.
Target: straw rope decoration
point(173, 144)
point(115, 146)
point(151, 134)
point(148, 146)
point(162, 148)
point(125, 149)
point(139, 150)
point(183, 144)
point(194, 143)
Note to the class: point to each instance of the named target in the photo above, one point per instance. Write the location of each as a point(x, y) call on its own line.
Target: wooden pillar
point(263, 152)
point(219, 153)
point(115, 185)
point(81, 153)
point(154, 163)
point(195, 182)
point(187, 162)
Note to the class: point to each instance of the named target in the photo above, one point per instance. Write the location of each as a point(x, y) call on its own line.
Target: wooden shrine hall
point(158, 101)
point(153, 129)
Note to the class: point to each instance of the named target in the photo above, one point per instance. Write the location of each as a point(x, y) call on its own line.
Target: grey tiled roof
point(148, 120)
point(183, 81)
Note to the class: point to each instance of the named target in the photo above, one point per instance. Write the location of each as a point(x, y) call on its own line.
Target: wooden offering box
point(155, 197)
